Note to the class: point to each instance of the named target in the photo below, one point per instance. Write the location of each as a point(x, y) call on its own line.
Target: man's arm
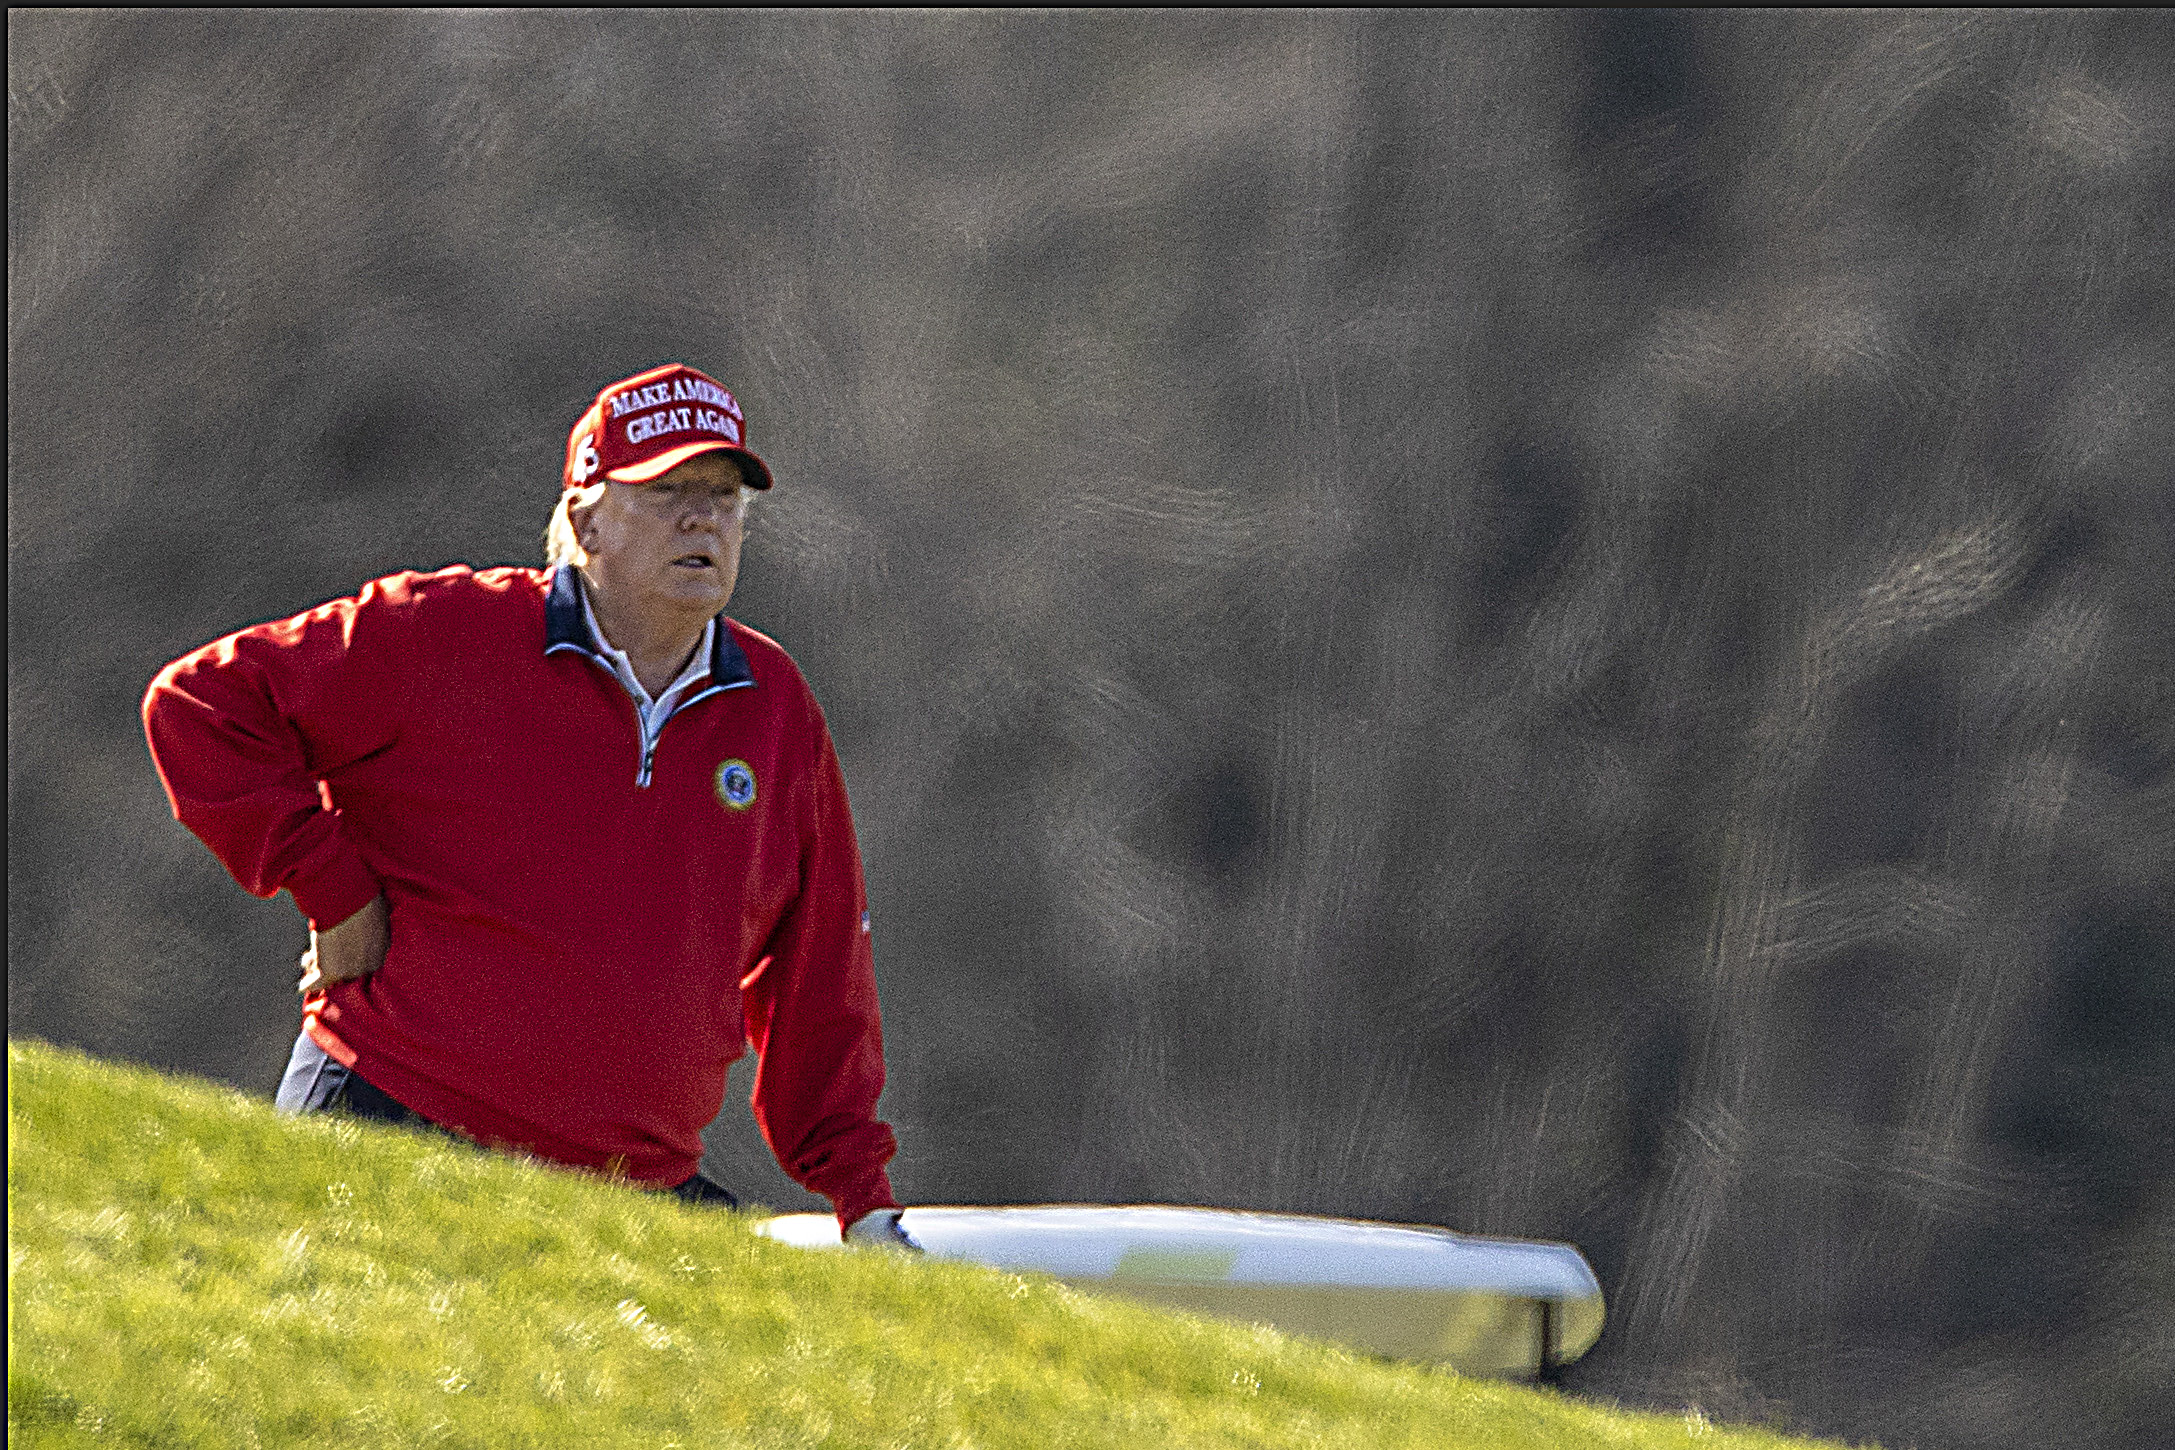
point(813, 1019)
point(243, 730)
point(354, 948)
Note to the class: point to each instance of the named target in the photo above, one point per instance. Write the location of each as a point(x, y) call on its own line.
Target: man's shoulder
point(458, 609)
point(458, 589)
point(461, 582)
point(776, 674)
point(766, 657)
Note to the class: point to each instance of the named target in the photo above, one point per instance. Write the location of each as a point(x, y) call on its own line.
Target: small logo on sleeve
point(736, 785)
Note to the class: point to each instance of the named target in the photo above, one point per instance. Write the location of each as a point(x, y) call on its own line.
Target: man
point(567, 839)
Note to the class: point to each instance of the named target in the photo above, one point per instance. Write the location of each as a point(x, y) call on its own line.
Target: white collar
point(698, 664)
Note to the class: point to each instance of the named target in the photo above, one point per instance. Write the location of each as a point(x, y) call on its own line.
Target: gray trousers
point(316, 1082)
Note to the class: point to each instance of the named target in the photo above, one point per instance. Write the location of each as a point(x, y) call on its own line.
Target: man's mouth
point(694, 561)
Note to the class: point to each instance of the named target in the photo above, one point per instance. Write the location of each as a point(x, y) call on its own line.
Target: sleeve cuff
point(344, 887)
point(864, 1197)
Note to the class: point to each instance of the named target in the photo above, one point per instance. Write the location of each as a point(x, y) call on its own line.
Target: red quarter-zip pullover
point(583, 939)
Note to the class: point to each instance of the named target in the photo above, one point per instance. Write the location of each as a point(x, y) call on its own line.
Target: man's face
point(670, 546)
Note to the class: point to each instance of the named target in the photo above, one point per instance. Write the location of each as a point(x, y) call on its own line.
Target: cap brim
point(671, 458)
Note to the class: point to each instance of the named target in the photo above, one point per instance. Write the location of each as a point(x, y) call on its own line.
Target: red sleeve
point(243, 729)
point(812, 1016)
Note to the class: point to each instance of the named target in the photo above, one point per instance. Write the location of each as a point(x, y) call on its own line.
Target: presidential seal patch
point(736, 785)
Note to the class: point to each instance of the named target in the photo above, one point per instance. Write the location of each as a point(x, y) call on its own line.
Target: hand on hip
point(354, 948)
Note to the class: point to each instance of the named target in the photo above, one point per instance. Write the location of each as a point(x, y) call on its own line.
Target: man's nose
point(704, 511)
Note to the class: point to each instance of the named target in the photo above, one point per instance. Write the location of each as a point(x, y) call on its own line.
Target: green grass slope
point(188, 1269)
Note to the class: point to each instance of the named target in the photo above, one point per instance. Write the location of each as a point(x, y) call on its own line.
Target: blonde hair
point(562, 545)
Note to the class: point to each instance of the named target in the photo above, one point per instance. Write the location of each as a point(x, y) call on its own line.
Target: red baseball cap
point(645, 425)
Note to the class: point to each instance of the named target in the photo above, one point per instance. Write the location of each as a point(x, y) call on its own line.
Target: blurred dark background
point(1561, 624)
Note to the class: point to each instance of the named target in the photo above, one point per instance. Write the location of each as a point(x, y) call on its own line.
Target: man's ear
point(580, 516)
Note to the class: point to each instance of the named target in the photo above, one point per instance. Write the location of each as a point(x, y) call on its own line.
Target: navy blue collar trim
point(728, 661)
point(564, 628)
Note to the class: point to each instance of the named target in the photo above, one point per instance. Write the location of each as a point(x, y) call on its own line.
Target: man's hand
point(880, 1229)
point(354, 948)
